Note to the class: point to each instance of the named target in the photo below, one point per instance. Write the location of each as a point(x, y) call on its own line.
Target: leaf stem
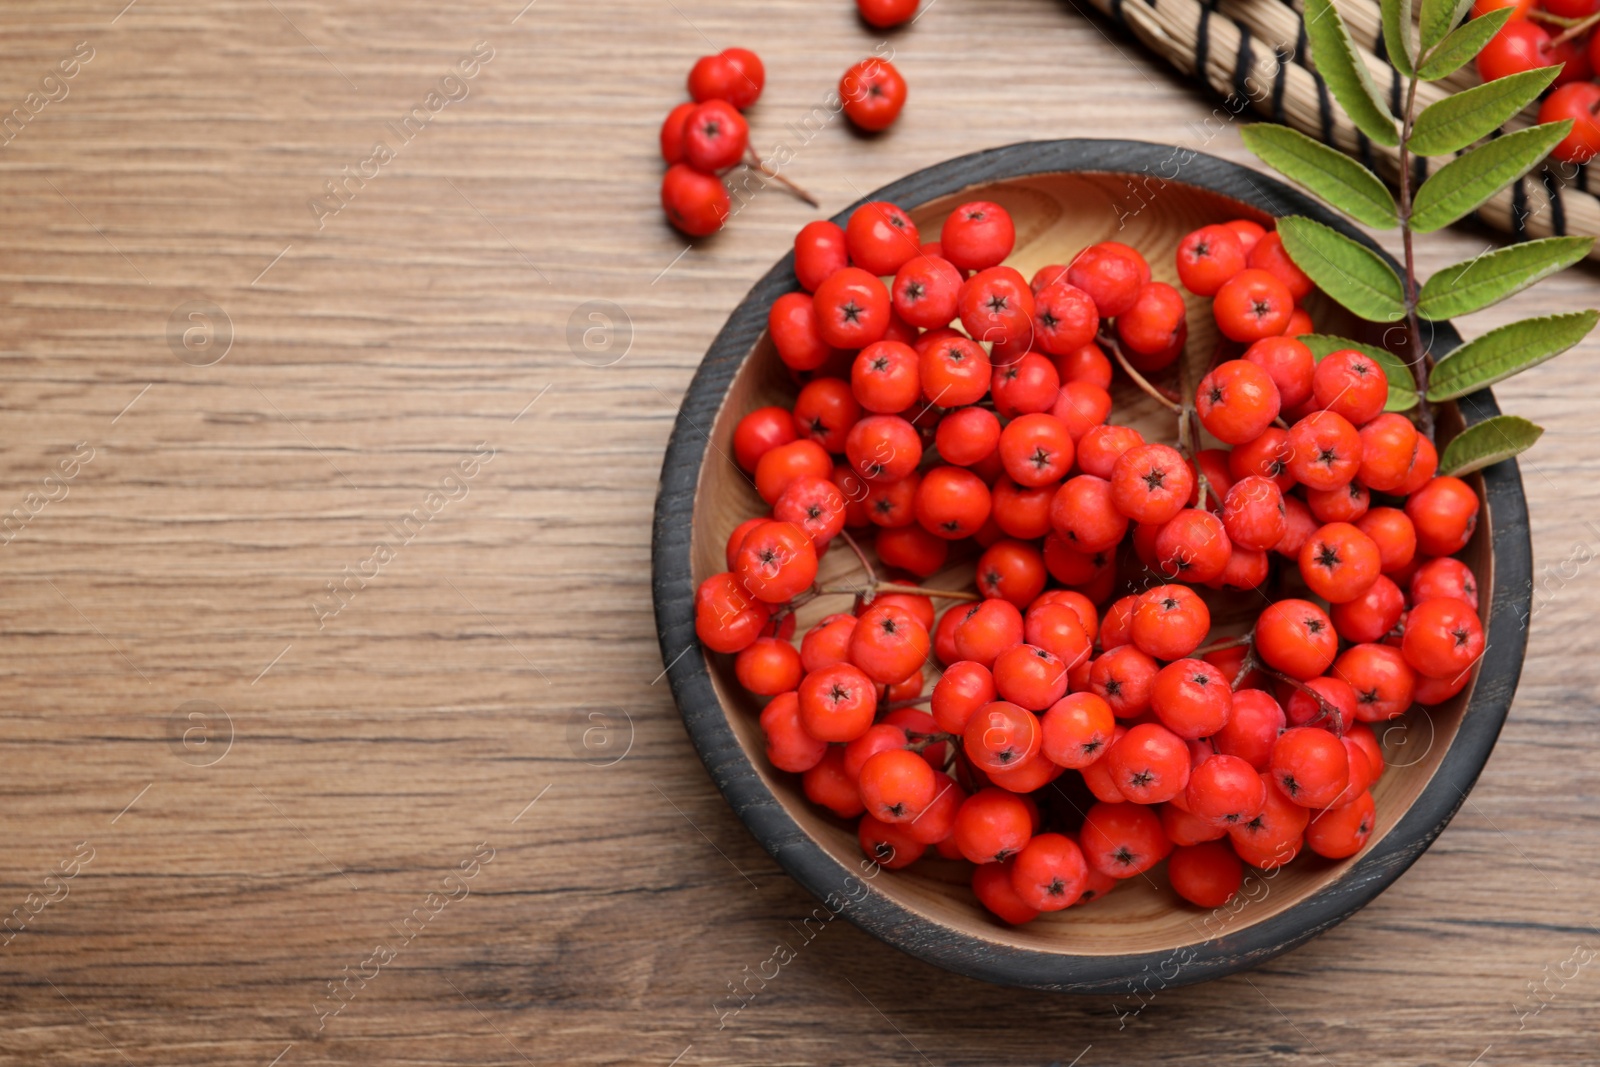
point(1419, 358)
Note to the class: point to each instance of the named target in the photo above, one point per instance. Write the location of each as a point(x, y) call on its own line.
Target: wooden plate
point(1065, 195)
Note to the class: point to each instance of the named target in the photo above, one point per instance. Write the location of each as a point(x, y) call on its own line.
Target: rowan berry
point(1192, 547)
point(1290, 365)
point(1372, 614)
point(1247, 568)
point(1445, 513)
point(796, 333)
point(996, 305)
point(827, 642)
point(1022, 511)
point(911, 548)
point(884, 377)
point(896, 785)
point(695, 202)
point(1185, 828)
point(1444, 637)
point(672, 132)
point(1253, 513)
point(1274, 836)
point(1382, 680)
point(1065, 321)
point(1249, 233)
point(1123, 677)
point(828, 785)
point(1267, 457)
point(1341, 832)
point(978, 235)
point(1431, 691)
point(714, 137)
point(1071, 567)
point(1347, 503)
point(1324, 450)
point(1339, 562)
point(1518, 46)
point(1151, 483)
point(1025, 387)
point(964, 687)
point(815, 505)
point(881, 239)
point(1226, 791)
point(1149, 764)
point(1208, 257)
point(1169, 622)
point(993, 825)
point(824, 412)
point(1206, 874)
point(1151, 328)
point(819, 253)
point(852, 309)
point(1050, 873)
point(937, 821)
point(886, 13)
point(1310, 766)
point(1297, 638)
point(889, 845)
point(1082, 511)
point(1036, 449)
point(883, 448)
point(880, 737)
point(1269, 255)
point(894, 504)
point(1237, 402)
point(1087, 364)
point(1251, 305)
point(924, 292)
point(789, 747)
point(1445, 577)
point(1111, 273)
point(1253, 726)
point(987, 629)
point(1351, 384)
point(1030, 677)
point(873, 93)
point(1101, 446)
point(776, 561)
point(1192, 698)
point(1081, 406)
point(1392, 531)
point(837, 703)
point(1577, 101)
point(1123, 840)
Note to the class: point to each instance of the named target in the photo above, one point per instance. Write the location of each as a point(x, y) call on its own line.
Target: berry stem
point(1138, 379)
point(866, 564)
point(917, 590)
point(1574, 29)
point(896, 705)
point(1218, 646)
point(1325, 709)
point(755, 161)
point(1189, 430)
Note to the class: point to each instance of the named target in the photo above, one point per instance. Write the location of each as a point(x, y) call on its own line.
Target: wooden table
point(334, 727)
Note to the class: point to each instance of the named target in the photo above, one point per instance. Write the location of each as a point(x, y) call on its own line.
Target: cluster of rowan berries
point(1546, 33)
point(1100, 560)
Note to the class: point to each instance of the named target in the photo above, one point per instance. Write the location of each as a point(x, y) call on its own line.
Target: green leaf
point(1451, 124)
point(1500, 353)
point(1464, 42)
point(1349, 272)
point(1474, 284)
point(1341, 66)
point(1329, 173)
point(1468, 180)
point(1438, 18)
point(1487, 443)
point(1399, 38)
point(1402, 385)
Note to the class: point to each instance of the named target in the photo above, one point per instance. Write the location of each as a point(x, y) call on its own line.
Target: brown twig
point(1153, 391)
point(1419, 358)
point(754, 160)
point(1574, 29)
point(1325, 708)
point(917, 590)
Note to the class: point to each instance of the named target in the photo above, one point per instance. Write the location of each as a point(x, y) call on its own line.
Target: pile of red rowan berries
point(1078, 728)
point(1544, 33)
point(704, 138)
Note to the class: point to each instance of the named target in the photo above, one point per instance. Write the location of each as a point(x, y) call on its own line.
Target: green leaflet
point(1467, 181)
point(1487, 443)
point(1340, 65)
point(1402, 386)
point(1438, 18)
point(1458, 120)
point(1399, 37)
point(1464, 42)
point(1474, 284)
point(1505, 351)
point(1349, 272)
point(1327, 172)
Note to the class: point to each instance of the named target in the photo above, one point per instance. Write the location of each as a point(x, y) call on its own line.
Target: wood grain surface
point(444, 812)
